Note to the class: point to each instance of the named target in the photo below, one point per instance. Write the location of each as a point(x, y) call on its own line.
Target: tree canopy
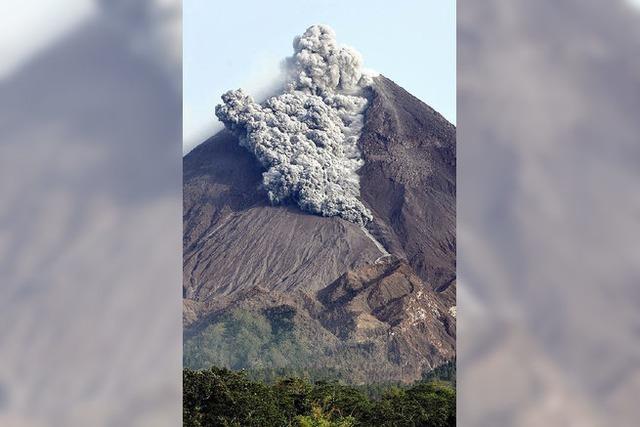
point(220, 397)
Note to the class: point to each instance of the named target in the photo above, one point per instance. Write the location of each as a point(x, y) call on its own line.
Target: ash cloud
point(306, 137)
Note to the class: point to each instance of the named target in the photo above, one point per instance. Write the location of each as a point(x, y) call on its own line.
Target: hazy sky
point(29, 26)
point(241, 43)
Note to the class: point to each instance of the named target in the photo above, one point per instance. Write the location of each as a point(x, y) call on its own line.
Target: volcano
point(273, 287)
point(319, 227)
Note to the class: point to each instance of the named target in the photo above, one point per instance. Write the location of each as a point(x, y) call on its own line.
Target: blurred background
point(90, 213)
point(548, 215)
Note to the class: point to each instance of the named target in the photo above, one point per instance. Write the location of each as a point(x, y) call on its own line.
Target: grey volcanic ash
point(306, 138)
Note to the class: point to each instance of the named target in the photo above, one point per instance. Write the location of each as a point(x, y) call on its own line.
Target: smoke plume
point(306, 137)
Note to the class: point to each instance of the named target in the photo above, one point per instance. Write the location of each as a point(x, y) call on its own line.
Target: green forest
point(220, 397)
point(270, 344)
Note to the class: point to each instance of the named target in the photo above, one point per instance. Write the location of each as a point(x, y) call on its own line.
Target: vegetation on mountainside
point(445, 372)
point(271, 344)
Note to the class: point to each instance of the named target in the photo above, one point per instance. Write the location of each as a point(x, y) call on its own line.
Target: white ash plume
point(319, 64)
point(307, 136)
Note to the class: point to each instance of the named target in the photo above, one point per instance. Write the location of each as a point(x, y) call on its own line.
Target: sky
point(29, 26)
point(242, 43)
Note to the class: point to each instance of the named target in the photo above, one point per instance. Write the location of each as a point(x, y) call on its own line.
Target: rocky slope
point(409, 181)
point(374, 304)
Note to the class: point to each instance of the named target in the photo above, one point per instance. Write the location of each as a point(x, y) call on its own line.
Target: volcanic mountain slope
point(312, 292)
point(409, 182)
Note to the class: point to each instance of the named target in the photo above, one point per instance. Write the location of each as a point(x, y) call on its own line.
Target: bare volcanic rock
point(409, 181)
point(389, 301)
point(235, 240)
